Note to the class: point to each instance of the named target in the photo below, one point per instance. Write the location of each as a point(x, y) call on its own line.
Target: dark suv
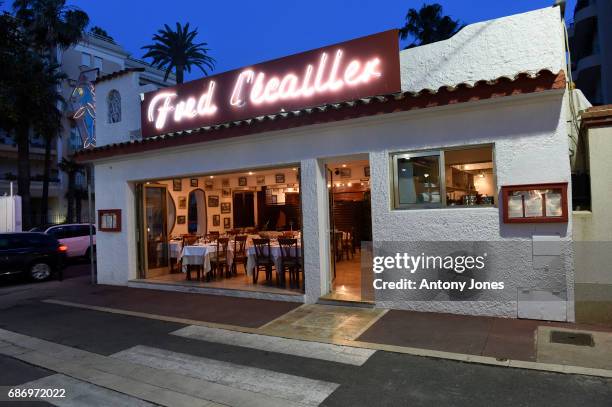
point(36, 254)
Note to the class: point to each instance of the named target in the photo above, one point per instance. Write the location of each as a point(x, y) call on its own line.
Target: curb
point(460, 357)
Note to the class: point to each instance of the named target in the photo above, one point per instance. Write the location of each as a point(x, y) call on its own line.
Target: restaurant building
point(463, 140)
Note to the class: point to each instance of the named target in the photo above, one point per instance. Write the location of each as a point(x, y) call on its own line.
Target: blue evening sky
point(243, 32)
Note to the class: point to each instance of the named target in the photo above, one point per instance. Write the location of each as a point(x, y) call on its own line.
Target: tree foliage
point(428, 25)
point(176, 50)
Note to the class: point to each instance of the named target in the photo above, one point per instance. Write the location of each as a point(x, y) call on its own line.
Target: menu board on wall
point(535, 203)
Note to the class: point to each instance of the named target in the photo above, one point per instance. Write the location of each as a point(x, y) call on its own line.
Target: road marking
point(80, 393)
point(312, 350)
point(278, 385)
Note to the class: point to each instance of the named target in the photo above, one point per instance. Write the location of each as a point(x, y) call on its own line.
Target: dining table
point(276, 255)
point(199, 254)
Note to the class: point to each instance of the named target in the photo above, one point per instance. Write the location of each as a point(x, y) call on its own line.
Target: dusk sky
point(241, 33)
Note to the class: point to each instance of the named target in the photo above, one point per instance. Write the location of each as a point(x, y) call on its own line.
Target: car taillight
point(62, 248)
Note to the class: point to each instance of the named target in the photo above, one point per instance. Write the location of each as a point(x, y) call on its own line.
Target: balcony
point(586, 63)
point(584, 11)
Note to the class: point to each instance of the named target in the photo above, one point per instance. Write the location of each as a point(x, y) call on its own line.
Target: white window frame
point(85, 55)
point(394, 156)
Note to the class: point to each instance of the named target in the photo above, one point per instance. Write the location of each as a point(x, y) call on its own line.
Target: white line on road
point(312, 350)
point(278, 385)
point(80, 393)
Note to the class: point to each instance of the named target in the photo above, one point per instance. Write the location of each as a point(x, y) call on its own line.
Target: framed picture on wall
point(279, 178)
point(345, 173)
point(226, 207)
point(225, 182)
point(216, 220)
point(182, 202)
point(366, 171)
point(208, 184)
point(261, 180)
point(226, 192)
point(193, 182)
point(242, 181)
point(176, 184)
point(227, 223)
point(213, 201)
point(180, 220)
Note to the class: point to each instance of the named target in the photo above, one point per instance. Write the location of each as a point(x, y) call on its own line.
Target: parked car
point(37, 255)
point(75, 236)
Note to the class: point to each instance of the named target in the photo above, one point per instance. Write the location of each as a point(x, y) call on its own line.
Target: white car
point(74, 236)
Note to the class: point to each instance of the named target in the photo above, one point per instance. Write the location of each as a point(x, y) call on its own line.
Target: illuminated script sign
point(350, 70)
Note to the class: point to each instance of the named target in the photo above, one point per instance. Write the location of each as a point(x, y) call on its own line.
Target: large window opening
point(460, 177)
point(205, 230)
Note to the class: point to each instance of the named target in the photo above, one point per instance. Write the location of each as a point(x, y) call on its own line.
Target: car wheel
point(40, 271)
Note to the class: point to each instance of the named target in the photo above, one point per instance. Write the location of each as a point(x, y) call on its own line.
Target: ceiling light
point(250, 172)
point(212, 176)
point(343, 165)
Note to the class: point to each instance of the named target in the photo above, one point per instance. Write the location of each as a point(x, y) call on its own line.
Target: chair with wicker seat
point(218, 259)
point(291, 262)
point(240, 255)
point(263, 258)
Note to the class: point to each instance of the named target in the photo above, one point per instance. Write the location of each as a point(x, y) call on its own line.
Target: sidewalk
point(493, 340)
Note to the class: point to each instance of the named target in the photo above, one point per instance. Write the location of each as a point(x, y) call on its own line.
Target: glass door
point(155, 230)
point(332, 226)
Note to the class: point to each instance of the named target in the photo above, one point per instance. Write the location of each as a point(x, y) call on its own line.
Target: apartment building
point(93, 52)
point(591, 47)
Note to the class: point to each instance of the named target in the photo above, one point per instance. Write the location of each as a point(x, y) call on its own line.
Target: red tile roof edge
point(116, 74)
point(522, 83)
point(597, 116)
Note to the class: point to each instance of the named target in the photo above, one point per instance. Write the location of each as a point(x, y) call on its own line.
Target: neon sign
point(363, 67)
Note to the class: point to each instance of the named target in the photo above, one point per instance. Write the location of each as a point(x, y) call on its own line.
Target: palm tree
point(51, 24)
point(71, 168)
point(176, 50)
point(428, 25)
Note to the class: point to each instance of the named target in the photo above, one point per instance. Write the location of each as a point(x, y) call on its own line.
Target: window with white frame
point(85, 59)
point(454, 177)
point(113, 105)
point(98, 63)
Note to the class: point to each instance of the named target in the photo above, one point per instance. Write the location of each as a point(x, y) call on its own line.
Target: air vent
point(572, 338)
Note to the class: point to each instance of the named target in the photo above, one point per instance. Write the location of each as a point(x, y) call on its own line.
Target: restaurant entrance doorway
point(350, 219)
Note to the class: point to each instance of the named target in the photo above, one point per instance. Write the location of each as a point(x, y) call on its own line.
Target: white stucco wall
point(526, 42)
point(129, 127)
point(530, 147)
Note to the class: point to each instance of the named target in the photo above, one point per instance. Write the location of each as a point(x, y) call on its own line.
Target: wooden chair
point(212, 235)
point(240, 255)
point(263, 258)
point(189, 240)
point(347, 246)
point(291, 260)
point(218, 260)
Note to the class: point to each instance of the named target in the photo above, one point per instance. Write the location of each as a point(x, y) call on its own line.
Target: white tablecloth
point(200, 255)
point(276, 256)
point(175, 249)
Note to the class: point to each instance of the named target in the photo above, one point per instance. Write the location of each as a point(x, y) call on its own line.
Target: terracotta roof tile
point(521, 83)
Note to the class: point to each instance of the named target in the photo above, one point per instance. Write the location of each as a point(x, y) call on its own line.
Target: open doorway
point(350, 217)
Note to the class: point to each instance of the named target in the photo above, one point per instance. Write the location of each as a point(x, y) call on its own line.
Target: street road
point(248, 374)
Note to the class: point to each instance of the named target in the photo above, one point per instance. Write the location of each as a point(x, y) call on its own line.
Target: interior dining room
point(348, 184)
point(236, 231)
